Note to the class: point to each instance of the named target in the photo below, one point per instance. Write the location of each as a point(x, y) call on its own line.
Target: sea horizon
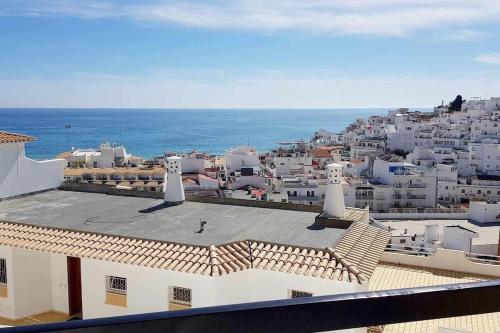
point(149, 132)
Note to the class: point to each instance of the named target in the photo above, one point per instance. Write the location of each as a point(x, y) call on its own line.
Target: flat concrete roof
point(149, 218)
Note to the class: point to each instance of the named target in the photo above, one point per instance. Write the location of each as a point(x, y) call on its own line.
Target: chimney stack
point(334, 199)
point(174, 191)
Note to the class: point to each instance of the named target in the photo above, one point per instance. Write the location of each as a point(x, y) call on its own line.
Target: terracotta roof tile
point(362, 246)
point(6, 137)
point(212, 260)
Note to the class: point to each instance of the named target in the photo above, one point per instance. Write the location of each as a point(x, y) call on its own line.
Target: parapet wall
point(255, 203)
point(105, 189)
point(420, 216)
point(444, 259)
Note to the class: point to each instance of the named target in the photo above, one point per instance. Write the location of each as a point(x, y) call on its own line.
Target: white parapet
point(334, 205)
point(174, 191)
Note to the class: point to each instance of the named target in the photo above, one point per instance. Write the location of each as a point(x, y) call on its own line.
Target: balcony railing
point(417, 185)
point(309, 314)
point(483, 258)
point(411, 250)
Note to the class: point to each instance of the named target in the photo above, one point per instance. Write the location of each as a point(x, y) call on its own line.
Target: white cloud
point(464, 35)
point(489, 58)
point(265, 89)
point(369, 17)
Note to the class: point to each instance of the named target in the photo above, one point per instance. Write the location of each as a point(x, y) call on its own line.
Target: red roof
point(6, 137)
point(321, 153)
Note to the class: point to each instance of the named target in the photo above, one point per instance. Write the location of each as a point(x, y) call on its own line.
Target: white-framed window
point(180, 295)
point(117, 285)
point(299, 294)
point(3, 271)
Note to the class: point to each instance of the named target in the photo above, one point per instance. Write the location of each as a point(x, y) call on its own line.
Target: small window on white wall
point(116, 291)
point(299, 294)
point(116, 285)
point(3, 271)
point(3, 278)
point(180, 295)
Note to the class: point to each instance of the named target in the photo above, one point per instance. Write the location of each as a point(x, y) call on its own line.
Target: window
point(116, 291)
point(3, 278)
point(116, 285)
point(179, 298)
point(3, 271)
point(402, 241)
point(299, 294)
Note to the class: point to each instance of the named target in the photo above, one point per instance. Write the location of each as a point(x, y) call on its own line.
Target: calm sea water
point(147, 133)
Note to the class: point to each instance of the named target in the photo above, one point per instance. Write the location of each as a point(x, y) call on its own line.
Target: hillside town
point(409, 199)
point(403, 162)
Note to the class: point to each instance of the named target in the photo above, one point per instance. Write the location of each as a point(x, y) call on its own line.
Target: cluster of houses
point(87, 255)
point(406, 161)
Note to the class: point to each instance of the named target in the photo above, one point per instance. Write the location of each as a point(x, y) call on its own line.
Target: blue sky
point(247, 53)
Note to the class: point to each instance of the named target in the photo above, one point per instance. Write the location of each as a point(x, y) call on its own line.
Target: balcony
point(364, 197)
point(416, 197)
point(308, 314)
point(417, 185)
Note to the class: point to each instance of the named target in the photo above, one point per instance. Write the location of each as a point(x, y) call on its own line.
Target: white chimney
point(334, 198)
point(174, 191)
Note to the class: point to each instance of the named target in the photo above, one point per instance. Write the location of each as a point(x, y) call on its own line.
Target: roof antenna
point(202, 226)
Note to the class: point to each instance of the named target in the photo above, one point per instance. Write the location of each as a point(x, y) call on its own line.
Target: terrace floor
point(40, 318)
point(390, 276)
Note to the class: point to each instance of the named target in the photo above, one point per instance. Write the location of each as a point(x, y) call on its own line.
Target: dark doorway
point(74, 287)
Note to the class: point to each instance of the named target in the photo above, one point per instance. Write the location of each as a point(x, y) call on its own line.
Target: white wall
point(59, 282)
point(450, 260)
point(36, 282)
point(31, 282)
point(191, 164)
point(455, 238)
point(19, 175)
point(147, 288)
point(484, 212)
point(263, 285)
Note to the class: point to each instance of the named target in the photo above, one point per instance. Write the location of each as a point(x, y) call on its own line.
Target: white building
point(456, 237)
point(167, 255)
point(241, 157)
point(19, 174)
point(106, 156)
point(195, 162)
point(484, 211)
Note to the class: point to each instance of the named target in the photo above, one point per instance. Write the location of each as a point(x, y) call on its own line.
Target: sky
point(247, 53)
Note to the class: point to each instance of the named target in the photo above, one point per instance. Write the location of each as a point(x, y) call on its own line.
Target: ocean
point(151, 132)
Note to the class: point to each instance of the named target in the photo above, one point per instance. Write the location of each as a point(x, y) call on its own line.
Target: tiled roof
point(207, 260)
point(320, 153)
point(6, 137)
point(362, 246)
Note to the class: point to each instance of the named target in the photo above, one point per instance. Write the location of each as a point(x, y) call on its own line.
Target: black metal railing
point(311, 314)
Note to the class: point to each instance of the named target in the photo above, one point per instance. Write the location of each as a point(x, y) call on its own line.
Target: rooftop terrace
point(390, 276)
